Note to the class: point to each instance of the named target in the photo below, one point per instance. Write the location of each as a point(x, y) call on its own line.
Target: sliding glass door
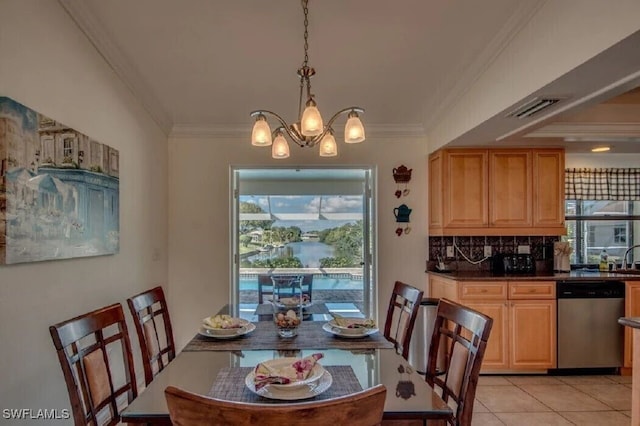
point(315, 223)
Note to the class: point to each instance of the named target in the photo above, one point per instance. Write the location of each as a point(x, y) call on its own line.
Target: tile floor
point(553, 400)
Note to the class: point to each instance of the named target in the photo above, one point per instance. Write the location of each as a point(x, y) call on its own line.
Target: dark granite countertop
point(578, 275)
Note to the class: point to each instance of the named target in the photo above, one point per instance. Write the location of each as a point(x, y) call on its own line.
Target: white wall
point(602, 160)
point(199, 222)
point(561, 36)
point(48, 65)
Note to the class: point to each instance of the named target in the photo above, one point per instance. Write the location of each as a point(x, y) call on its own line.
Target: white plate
point(225, 331)
point(302, 392)
point(206, 332)
point(315, 373)
point(339, 332)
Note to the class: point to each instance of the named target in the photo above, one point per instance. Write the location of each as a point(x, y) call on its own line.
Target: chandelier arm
point(296, 138)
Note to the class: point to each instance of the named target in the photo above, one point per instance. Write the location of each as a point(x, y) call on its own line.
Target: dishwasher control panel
point(589, 289)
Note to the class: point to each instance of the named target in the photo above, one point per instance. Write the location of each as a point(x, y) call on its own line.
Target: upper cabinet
point(496, 191)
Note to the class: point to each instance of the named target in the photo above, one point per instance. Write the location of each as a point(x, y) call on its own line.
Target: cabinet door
point(510, 188)
point(631, 309)
point(496, 356)
point(443, 288)
point(435, 190)
point(548, 188)
point(465, 192)
point(532, 334)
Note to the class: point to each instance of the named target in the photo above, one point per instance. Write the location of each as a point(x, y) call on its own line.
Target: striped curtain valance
point(602, 184)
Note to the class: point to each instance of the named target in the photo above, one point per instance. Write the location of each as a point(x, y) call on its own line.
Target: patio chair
point(401, 316)
point(265, 288)
point(100, 379)
point(364, 408)
point(155, 334)
point(463, 333)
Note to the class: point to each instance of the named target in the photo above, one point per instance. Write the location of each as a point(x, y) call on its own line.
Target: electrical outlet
point(524, 249)
point(449, 251)
point(487, 251)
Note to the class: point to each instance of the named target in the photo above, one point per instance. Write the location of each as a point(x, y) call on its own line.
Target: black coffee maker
point(510, 263)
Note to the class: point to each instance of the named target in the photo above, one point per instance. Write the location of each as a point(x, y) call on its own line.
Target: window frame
point(580, 217)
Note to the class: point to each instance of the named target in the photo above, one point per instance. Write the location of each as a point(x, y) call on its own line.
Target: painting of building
point(59, 189)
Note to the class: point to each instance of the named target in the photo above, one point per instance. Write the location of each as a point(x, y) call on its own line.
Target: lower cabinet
point(532, 329)
point(631, 309)
point(523, 336)
point(496, 356)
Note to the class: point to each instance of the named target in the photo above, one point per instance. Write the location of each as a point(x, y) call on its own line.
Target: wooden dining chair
point(458, 342)
point(155, 334)
point(364, 408)
point(100, 379)
point(401, 316)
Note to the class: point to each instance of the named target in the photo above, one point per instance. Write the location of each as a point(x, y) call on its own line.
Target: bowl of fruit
point(287, 322)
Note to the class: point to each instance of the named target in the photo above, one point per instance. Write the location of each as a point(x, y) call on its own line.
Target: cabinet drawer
point(532, 290)
point(483, 290)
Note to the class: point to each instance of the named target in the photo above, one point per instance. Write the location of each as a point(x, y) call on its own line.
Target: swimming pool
point(319, 283)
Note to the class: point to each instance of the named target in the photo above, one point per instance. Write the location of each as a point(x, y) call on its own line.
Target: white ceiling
point(207, 64)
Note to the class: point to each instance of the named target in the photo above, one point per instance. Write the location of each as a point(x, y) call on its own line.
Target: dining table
point(222, 368)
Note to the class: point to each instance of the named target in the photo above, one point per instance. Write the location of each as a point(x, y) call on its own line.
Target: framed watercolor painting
point(59, 189)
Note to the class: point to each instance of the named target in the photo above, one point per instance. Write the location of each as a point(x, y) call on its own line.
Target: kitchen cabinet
point(548, 188)
point(523, 337)
point(631, 309)
point(496, 192)
point(510, 196)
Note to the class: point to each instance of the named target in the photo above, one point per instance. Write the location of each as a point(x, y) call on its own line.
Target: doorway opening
point(311, 224)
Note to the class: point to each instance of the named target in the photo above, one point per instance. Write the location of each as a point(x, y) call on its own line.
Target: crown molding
point(481, 64)
point(581, 130)
point(80, 13)
point(373, 131)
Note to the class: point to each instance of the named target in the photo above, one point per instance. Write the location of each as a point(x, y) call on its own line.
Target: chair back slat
point(84, 347)
point(155, 333)
point(401, 316)
point(458, 343)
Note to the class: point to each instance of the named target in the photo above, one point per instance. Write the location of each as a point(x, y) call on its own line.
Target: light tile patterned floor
point(553, 400)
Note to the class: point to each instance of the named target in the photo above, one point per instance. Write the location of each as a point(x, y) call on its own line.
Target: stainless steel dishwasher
point(589, 335)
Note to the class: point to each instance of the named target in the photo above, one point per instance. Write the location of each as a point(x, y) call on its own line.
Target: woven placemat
point(310, 336)
point(315, 308)
point(229, 385)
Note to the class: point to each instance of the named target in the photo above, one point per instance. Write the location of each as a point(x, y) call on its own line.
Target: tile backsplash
point(541, 247)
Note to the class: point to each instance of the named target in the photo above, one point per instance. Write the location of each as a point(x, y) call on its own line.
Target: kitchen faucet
point(626, 253)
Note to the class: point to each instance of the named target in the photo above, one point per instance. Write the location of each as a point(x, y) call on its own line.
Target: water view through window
point(317, 235)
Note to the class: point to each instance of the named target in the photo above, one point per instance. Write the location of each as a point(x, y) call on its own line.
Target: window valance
point(602, 184)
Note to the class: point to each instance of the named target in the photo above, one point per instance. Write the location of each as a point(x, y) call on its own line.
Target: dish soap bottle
point(604, 260)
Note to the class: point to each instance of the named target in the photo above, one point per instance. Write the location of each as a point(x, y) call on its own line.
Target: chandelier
point(309, 130)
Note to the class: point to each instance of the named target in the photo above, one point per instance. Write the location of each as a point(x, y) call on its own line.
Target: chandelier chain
point(305, 9)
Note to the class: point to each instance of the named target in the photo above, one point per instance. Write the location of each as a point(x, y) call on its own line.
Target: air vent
point(532, 107)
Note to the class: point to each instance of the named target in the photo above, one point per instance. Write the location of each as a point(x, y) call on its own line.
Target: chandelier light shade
point(328, 147)
point(261, 134)
point(311, 122)
point(353, 130)
point(280, 148)
point(310, 129)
